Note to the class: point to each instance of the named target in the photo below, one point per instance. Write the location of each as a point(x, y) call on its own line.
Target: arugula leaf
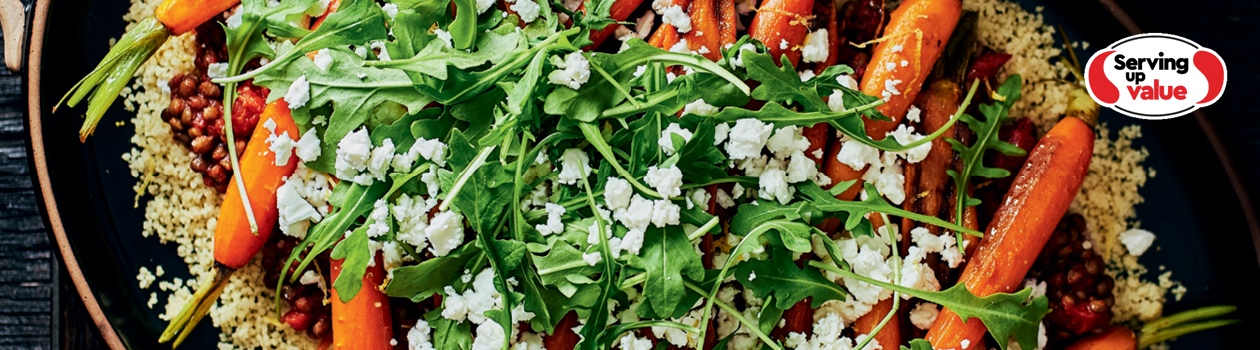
point(561, 264)
point(780, 277)
point(448, 334)
point(780, 82)
point(874, 203)
point(353, 203)
point(699, 160)
point(355, 255)
point(422, 281)
point(986, 138)
point(667, 257)
point(353, 98)
point(918, 344)
point(1005, 315)
point(355, 22)
point(434, 57)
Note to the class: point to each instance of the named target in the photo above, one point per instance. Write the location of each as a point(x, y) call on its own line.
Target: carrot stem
point(197, 307)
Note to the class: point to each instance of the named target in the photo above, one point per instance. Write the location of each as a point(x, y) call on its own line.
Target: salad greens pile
point(414, 72)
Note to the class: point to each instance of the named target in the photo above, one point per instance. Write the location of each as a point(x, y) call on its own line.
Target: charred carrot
point(620, 11)
point(1040, 196)
point(181, 16)
point(665, 37)
point(782, 26)
point(727, 21)
point(1116, 338)
point(234, 244)
point(827, 11)
point(927, 190)
point(890, 336)
point(364, 322)
point(704, 36)
point(916, 35)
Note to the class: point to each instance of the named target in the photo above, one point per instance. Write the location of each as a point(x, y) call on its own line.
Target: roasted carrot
point(890, 336)
point(827, 11)
point(704, 36)
point(665, 37)
point(234, 244)
point(620, 11)
point(364, 322)
point(181, 16)
point(332, 6)
point(916, 34)
point(1116, 338)
point(1040, 196)
point(727, 21)
point(782, 26)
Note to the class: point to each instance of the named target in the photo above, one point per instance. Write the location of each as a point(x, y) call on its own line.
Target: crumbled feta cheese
point(801, 168)
point(381, 159)
point(281, 145)
point(323, 59)
point(574, 165)
point(445, 232)
point(905, 63)
point(638, 71)
point(896, 48)
point(299, 93)
point(890, 66)
point(783, 44)
point(526, 9)
point(699, 107)
point(665, 213)
point(412, 215)
point(234, 21)
point(617, 193)
point(905, 135)
point(445, 37)
point(724, 199)
point(676, 16)
point(554, 223)
point(720, 131)
point(1137, 240)
point(738, 59)
point(890, 88)
point(787, 140)
point(592, 258)
point(698, 196)
point(806, 75)
point(631, 342)
point(660, 5)
point(216, 70)
point(680, 47)
point(924, 314)
point(816, 46)
point(489, 337)
point(379, 218)
point(747, 138)
point(418, 336)
point(914, 114)
point(667, 181)
point(773, 184)
point(295, 214)
point(576, 70)
point(667, 139)
point(353, 153)
point(307, 147)
point(857, 155)
point(309, 277)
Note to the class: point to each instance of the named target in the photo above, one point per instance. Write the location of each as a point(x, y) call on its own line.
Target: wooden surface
point(39, 309)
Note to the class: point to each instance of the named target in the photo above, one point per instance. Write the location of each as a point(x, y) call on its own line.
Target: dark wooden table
point(39, 308)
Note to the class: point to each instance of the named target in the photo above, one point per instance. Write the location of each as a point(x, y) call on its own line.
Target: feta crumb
point(617, 193)
point(680, 47)
point(234, 21)
point(747, 138)
point(667, 139)
point(299, 93)
point(738, 59)
point(906, 135)
point(294, 214)
point(752, 275)
point(353, 153)
point(816, 46)
point(323, 60)
point(665, 213)
point(699, 107)
point(445, 232)
point(676, 16)
point(857, 155)
point(924, 315)
point(382, 158)
point(309, 277)
point(592, 258)
point(720, 132)
point(847, 81)
point(667, 181)
point(216, 70)
point(724, 199)
point(897, 48)
point(483, 5)
point(905, 63)
point(890, 66)
point(526, 9)
point(489, 337)
point(806, 75)
point(1137, 240)
point(773, 184)
point(783, 44)
point(307, 147)
point(554, 223)
point(638, 71)
point(914, 114)
point(445, 37)
point(281, 145)
point(787, 140)
point(576, 70)
point(574, 164)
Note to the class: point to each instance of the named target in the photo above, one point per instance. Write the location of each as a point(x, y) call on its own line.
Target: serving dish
point(88, 201)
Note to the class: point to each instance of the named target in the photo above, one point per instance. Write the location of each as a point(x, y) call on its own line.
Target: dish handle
point(15, 19)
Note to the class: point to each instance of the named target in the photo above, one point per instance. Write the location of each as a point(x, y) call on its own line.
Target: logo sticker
point(1155, 76)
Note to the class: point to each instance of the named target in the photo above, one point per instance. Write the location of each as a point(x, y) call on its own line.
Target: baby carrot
point(782, 26)
point(181, 16)
point(1040, 196)
point(916, 35)
point(1116, 338)
point(705, 35)
point(364, 322)
point(727, 21)
point(234, 244)
point(620, 11)
point(890, 336)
